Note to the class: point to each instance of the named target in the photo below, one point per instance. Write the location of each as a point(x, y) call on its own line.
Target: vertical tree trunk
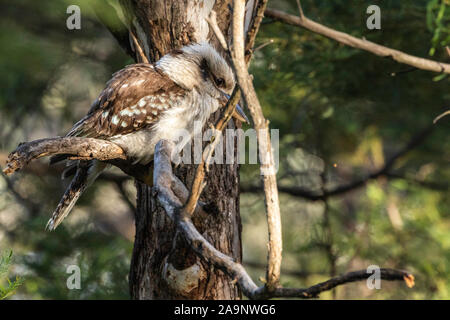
point(162, 266)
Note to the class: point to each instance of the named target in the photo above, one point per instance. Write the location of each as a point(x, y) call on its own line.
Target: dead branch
point(315, 290)
point(379, 50)
point(197, 185)
point(254, 28)
point(140, 55)
point(268, 172)
point(165, 183)
point(212, 21)
point(80, 148)
point(442, 115)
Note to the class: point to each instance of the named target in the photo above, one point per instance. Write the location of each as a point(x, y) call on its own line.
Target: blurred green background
point(343, 115)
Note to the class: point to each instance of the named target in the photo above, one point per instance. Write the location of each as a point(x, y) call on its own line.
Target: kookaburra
point(144, 103)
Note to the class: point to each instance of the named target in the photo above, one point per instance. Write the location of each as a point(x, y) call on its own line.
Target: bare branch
point(197, 184)
point(439, 117)
point(268, 172)
point(140, 55)
point(254, 28)
point(212, 21)
point(81, 148)
point(379, 50)
point(265, 44)
point(300, 9)
point(314, 291)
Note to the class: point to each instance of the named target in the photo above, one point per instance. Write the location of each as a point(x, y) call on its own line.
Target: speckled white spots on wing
point(126, 112)
point(124, 124)
point(125, 85)
point(105, 114)
point(115, 120)
point(142, 102)
point(139, 82)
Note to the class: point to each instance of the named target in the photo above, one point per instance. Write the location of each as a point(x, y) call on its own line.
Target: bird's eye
point(220, 82)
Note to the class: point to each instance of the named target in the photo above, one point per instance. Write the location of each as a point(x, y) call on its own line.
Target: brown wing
point(133, 99)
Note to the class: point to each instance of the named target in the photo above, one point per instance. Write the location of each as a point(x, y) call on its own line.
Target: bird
point(144, 103)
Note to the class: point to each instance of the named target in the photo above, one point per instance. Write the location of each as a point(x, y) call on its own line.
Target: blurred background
point(364, 173)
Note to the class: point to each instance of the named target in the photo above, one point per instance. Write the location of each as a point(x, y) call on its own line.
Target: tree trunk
point(162, 266)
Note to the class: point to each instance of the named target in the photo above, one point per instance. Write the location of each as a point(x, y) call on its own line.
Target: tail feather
point(71, 170)
point(87, 172)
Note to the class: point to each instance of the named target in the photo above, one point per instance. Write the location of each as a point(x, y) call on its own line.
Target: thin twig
point(141, 57)
point(212, 21)
point(253, 30)
point(439, 117)
point(300, 9)
point(265, 44)
point(315, 290)
point(197, 184)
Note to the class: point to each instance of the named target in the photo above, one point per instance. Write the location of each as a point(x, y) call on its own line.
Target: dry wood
point(81, 148)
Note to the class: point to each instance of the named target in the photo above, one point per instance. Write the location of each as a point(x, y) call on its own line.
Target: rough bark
point(162, 265)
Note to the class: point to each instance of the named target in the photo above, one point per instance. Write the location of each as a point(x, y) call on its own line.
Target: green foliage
point(10, 289)
point(438, 22)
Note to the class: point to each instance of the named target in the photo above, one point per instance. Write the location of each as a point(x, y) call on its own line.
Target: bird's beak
point(238, 112)
point(240, 115)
